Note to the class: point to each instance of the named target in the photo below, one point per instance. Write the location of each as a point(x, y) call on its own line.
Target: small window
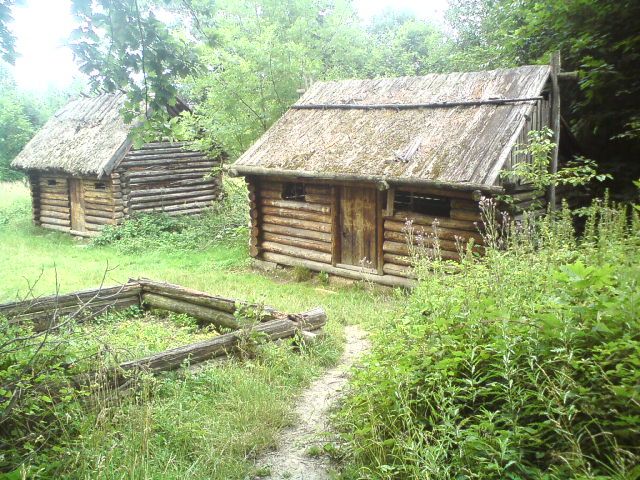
point(51, 182)
point(293, 191)
point(100, 186)
point(421, 203)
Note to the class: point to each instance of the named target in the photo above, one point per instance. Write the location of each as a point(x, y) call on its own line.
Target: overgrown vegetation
point(225, 221)
point(521, 365)
point(208, 422)
point(205, 420)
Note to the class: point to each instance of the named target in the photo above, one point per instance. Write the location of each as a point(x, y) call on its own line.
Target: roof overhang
point(381, 182)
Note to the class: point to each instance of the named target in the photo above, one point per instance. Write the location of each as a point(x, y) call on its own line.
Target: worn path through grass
point(209, 424)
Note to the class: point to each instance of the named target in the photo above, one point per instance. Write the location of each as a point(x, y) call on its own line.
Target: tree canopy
point(241, 63)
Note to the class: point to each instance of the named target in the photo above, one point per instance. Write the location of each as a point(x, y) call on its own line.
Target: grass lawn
point(205, 424)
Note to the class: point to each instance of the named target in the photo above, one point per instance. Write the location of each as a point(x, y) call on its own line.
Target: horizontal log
point(299, 214)
point(42, 321)
point(294, 205)
point(160, 154)
point(426, 240)
point(473, 216)
point(211, 185)
point(193, 296)
point(443, 233)
point(297, 242)
point(53, 221)
point(295, 223)
point(428, 220)
point(41, 304)
point(53, 208)
point(54, 202)
point(157, 178)
point(62, 190)
point(54, 196)
point(272, 194)
point(174, 197)
point(388, 280)
point(48, 213)
point(107, 201)
point(224, 344)
point(398, 270)
point(155, 145)
point(59, 228)
point(98, 213)
point(160, 206)
point(204, 314)
point(133, 174)
point(98, 220)
point(294, 232)
point(397, 259)
point(324, 199)
point(403, 248)
point(274, 247)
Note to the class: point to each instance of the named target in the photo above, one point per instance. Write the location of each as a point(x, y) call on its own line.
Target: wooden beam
point(555, 122)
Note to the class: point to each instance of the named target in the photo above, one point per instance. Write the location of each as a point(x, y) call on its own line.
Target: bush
point(226, 220)
point(522, 365)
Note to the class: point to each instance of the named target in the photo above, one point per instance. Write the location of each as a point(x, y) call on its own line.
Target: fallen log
point(204, 314)
point(228, 343)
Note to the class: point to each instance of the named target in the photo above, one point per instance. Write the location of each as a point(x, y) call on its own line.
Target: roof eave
point(382, 182)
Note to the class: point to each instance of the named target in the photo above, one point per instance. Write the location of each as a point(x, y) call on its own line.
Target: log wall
point(293, 228)
point(99, 204)
point(165, 177)
point(50, 201)
point(407, 233)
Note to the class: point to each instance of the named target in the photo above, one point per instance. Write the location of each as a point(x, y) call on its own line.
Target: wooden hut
point(334, 181)
point(84, 172)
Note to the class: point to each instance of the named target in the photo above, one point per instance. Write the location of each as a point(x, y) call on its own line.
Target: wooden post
point(555, 122)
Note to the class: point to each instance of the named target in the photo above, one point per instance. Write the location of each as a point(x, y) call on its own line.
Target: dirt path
point(291, 459)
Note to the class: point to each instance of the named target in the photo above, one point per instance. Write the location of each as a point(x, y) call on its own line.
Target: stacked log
point(99, 203)
point(50, 196)
point(166, 177)
point(297, 228)
point(407, 234)
point(228, 343)
point(47, 312)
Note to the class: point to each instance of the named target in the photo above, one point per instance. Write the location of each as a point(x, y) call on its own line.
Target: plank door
point(76, 199)
point(358, 220)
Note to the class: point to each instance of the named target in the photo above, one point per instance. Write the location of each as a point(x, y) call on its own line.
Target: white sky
point(43, 26)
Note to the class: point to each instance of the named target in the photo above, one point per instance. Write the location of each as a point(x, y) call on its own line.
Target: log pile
point(51, 311)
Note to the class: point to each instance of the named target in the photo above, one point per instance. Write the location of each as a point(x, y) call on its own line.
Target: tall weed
point(524, 364)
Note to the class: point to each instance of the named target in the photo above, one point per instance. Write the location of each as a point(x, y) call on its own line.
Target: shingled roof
point(456, 128)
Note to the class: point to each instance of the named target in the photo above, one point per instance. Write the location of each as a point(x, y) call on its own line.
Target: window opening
point(293, 191)
point(421, 203)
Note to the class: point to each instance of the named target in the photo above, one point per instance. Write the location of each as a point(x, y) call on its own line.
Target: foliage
point(21, 114)
point(7, 40)
point(522, 365)
point(535, 172)
point(121, 45)
point(225, 221)
point(598, 39)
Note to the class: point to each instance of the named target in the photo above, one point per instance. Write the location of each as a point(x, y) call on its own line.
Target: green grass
point(204, 423)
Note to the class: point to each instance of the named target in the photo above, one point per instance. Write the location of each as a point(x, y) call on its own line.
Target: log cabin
point(84, 171)
point(333, 183)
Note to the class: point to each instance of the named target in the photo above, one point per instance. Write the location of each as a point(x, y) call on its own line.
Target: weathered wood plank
point(296, 252)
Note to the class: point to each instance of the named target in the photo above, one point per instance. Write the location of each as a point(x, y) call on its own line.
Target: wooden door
point(76, 199)
point(358, 220)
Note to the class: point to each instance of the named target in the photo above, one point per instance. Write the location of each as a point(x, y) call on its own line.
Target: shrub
point(226, 220)
point(522, 365)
